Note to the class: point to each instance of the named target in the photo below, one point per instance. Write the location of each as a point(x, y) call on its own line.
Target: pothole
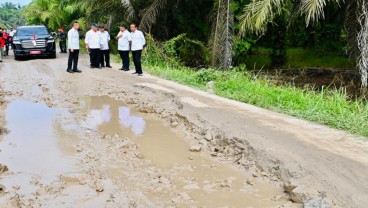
point(37, 147)
point(199, 178)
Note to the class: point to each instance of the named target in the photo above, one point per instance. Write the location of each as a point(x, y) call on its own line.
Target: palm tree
point(259, 13)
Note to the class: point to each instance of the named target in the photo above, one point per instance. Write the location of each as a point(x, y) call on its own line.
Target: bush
point(189, 52)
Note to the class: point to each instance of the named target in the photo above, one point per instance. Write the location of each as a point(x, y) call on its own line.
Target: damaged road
point(105, 138)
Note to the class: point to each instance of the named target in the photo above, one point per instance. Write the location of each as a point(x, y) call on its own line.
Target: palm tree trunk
point(362, 40)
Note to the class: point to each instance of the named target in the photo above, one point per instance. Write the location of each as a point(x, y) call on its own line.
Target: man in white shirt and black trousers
point(105, 50)
point(124, 40)
point(137, 43)
point(94, 44)
point(73, 47)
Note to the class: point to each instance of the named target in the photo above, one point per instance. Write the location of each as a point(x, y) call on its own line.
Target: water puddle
point(38, 147)
point(206, 181)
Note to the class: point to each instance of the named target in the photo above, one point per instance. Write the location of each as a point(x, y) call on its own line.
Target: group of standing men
point(97, 44)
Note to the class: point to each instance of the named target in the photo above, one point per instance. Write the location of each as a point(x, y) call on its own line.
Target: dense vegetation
point(11, 15)
point(233, 30)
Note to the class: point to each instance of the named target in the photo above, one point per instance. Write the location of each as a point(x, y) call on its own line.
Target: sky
point(21, 2)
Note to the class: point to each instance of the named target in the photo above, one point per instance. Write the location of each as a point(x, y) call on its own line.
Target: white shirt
point(123, 42)
point(93, 39)
point(105, 38)
point(73, 39)
point(138, 40)
point(12, 33)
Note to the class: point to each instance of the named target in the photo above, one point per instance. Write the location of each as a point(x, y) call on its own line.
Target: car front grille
point(29, 44)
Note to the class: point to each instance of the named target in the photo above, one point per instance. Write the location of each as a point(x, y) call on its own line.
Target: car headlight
point(51, 41)
point(16, 42)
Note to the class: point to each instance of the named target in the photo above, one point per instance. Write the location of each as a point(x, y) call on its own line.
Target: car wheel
point(53, 55)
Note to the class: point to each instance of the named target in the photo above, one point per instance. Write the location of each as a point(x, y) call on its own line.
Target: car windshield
point(32, 31)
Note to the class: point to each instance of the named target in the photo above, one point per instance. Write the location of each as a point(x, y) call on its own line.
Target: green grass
point(329, 107)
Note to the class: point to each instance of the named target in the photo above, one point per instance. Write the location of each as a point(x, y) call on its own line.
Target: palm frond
point(129, 9)
point(151, 14)
point(258, 14)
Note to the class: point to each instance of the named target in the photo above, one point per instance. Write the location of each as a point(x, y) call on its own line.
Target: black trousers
point(124, 55)
point(73, 60)
point(7, 44)
point(105, 57)
point(137, 61)
point(62, 44)
point(95, 57)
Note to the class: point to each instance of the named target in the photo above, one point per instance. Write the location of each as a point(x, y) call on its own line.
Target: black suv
point(33, 41)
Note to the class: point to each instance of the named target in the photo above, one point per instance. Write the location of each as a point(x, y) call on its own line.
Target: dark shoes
point(73, 71)
point(138, 74)
point(109, 67)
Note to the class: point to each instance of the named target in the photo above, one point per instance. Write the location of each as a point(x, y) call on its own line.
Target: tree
point(259, 13)
point(11, 15)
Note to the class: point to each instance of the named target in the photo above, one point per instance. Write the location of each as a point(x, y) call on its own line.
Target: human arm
point(143, 39)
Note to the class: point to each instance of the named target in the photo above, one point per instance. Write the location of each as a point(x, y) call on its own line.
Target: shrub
point(189, 52)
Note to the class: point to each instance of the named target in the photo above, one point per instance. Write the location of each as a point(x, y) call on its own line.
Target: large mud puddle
point(38, 147)
point(207, 182)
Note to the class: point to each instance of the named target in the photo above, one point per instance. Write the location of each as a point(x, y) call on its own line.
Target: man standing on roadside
point(94, 44)
point(137, 44)
point(124, 40)
point(73, 46)
point(62, 40)
point(11, 35)
point(2, 45)
point(105, 50)
point(6, 39)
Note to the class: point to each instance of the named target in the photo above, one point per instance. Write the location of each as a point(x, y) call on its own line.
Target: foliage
point(11, 15)
point(189, 52)
point(242, 48)
point(54, 14)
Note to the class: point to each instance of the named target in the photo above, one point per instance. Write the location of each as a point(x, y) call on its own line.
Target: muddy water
point(208, 182)
point(38, 145)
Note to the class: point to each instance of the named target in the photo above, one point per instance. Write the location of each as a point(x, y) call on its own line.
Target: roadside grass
point(329, 107)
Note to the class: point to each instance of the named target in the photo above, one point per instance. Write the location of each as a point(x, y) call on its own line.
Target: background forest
point(282, 44)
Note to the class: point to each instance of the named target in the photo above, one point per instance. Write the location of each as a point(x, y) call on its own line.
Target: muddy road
point(106, 138)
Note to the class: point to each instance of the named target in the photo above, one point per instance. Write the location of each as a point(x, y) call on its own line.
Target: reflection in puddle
point(203, 178)
point(118, 117)
point(33, 148)
point(135, 123)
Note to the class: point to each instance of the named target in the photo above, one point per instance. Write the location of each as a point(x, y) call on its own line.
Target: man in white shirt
point(124, 40)
point(136, 45)
point(94, 44)
point(105, 50)
point(73, 47)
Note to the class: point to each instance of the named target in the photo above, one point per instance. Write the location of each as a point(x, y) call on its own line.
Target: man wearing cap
point(94, 44)
point(62, 38)
point(73, 46)
point(105, 50)
point(136, 45)
point(124, 40)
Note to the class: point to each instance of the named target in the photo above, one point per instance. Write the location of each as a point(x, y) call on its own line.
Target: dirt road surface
point(106, 138)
